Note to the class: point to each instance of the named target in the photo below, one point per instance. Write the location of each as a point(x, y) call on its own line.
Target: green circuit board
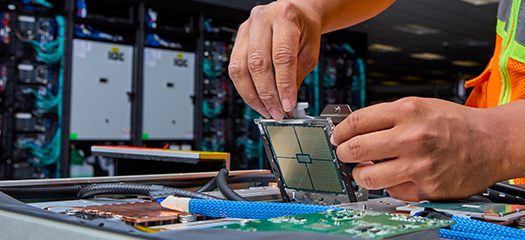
point(352, 223)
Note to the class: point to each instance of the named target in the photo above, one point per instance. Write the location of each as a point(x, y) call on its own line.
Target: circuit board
point(352, 223)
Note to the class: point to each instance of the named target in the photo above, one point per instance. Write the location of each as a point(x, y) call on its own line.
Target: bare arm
point(285, 36)
point(438, 150)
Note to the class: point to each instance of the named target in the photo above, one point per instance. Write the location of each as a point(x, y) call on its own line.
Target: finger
point(370, 147)
point(374, 118)
point(260, 63)
point(307, 59)
point(382, 175)
point(406, 191)
point(238, 70)
point(284, 53)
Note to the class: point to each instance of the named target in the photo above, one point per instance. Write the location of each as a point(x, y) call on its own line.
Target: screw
point(337, 109)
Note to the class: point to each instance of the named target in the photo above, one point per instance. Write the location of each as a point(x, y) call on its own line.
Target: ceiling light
point(480, 2)
point(417, 29)
point(439, 82)
point(376, 74)
point(390, 83)
point(437, 71)
point(411, 78)
point(469, 76)
point(427, 56)
point(382, 48)
point(465, 63)
point(474, 43)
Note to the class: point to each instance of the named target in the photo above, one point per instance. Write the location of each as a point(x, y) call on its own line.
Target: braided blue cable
point(449, 234)
point(251, 210)
point(484, 228)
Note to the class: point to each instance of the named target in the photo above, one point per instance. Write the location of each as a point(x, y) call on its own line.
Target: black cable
point(42, 192)
point(138, 189)
point(117, 188)
point(225, 189)
point(211, 185)
point(508, 189)
point(263, 178)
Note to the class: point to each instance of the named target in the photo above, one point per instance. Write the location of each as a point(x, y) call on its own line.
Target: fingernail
point(277, 114)
point(287, 105)
point(265, 113)
point(332, 140)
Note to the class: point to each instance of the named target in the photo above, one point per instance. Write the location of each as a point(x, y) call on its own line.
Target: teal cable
point(44, 3)
point(362, 77)
point(209, 69)
point(50, 53)
point(316, 90)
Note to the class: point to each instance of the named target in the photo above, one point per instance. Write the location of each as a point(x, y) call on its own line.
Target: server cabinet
point(169, 82)
point(101, 91)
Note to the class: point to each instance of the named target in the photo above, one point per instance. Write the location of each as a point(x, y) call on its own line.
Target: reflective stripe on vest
point(511, 19)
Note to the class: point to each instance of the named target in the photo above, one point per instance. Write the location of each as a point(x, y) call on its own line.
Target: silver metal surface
point(133, 178)
point(19, 226)
point(169, 80)
point(186, 218)
point(386, 205)
point(337, 112)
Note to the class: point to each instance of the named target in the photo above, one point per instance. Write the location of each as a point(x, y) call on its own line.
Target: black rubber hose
point(225, 189)
point(138, 189)
point(508, 189)
point(42, 192)
point(211, 185)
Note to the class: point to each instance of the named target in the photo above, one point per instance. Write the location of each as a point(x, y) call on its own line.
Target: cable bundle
point(209, 69)
point(50, 53)
point(359, 81)
point(211, 109)
point(252, 149)
point(45, 155)
point(44, 3)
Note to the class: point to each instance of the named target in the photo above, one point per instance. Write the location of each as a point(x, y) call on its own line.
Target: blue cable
point(449, 234)
point(251, 210)
point(81, 8)
point(484, 228)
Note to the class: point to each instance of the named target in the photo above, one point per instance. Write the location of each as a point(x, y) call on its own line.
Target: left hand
point(437, 150)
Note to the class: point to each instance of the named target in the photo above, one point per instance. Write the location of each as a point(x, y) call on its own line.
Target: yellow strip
point(500, 29)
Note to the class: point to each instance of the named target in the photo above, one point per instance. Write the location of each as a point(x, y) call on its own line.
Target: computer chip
point(301, 156)
point(305, 157)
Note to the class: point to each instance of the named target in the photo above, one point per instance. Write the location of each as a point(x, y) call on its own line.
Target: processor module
point(301, 155)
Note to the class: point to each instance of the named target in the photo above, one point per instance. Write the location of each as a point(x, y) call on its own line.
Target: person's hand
point(433, 149)
point(283, 36)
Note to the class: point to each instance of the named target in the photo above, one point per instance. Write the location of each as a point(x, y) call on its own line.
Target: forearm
point(508, 134)
point(337, 14)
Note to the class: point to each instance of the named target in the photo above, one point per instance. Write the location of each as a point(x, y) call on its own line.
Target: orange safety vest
point(503, 80)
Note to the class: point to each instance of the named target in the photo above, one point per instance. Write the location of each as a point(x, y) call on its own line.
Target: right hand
point(283, 36)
